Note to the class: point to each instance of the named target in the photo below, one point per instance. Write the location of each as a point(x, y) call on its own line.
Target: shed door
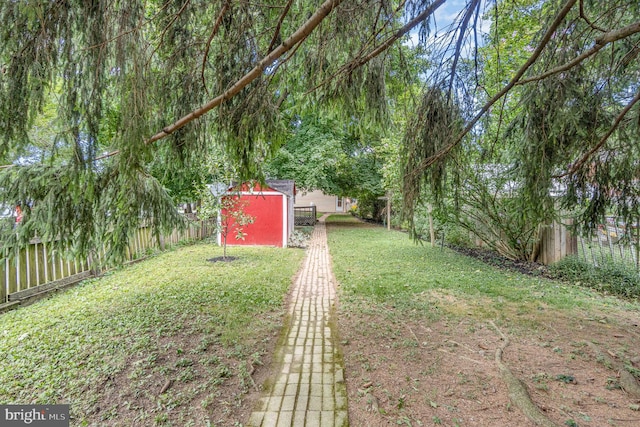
point(267, 226)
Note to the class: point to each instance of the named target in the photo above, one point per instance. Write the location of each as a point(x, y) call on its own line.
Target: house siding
point(322, 201)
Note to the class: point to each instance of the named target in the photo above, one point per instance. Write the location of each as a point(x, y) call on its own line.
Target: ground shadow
point(223, 259)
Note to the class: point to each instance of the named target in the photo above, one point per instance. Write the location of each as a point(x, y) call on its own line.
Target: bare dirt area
point(219, 384)
point(465, 370)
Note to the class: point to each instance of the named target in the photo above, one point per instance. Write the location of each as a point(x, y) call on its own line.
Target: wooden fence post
point(432, 232)
point(4, 278)
point(557, 242)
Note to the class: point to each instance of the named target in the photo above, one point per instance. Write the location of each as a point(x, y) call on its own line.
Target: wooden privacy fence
point(613, 242)
point(557, 242)
point(304, 215)
point(38, 268)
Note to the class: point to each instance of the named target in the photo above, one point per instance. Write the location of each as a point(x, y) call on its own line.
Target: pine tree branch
point(166, 28)
point(276, 33)
point(583, 15)
point(532, 59)
point(214, 31)
point(285, 60)
point(401, 32)
point(134, 29)
point(240, 84)
point(473, 5)
point(301, 33)
point(374, 36)
point(600, 42)
point(578, 164)
point(358, 62)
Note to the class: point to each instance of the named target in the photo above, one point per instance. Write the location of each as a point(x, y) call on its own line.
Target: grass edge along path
point(153, 343)
point(388, 285)
point(389, 268)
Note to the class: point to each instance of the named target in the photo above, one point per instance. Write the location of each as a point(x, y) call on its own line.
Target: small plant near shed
point(229, 210)
point(233, 218)
point(299, 237)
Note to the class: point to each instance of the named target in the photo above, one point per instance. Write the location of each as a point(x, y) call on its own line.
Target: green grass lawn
point(176, 307)
point(420, 329)
point(387, 267)
point(108, 345)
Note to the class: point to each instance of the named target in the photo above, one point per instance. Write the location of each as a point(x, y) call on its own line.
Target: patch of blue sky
point(443, 29)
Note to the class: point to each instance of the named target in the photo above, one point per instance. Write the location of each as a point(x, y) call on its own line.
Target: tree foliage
point(146, 88)
point(127, 74)
point(329, 156)
point(233, 219)
point(551, 124)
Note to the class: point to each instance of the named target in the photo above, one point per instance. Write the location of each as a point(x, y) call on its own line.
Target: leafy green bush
point(457, 236)
point(610, 277)
point(299, 237)
point(370, 207)
point(453, 234)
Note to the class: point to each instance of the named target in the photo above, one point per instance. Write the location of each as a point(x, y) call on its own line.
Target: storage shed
point(271, 206)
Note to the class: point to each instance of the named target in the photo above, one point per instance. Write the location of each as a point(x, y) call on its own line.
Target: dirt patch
point(443, 371)
point(217, 384)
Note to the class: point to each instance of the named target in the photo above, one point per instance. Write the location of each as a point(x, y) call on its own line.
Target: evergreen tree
point(133, 82)
point(549, 124)
point(141, 84)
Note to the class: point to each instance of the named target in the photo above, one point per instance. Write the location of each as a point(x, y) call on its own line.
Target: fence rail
point(304, 215)
point(38, 267)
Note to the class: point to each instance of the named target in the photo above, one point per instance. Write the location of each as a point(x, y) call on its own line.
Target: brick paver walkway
point(309, 389)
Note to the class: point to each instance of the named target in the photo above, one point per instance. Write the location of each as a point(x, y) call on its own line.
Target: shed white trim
point(285, 225)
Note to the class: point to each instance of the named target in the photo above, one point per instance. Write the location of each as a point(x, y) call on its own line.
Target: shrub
point(610, 277)
point(299, 237)
point(457, 236)
point(452, 233)
point(370, 207)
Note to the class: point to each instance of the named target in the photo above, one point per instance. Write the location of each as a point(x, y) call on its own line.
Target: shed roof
point(286, 186)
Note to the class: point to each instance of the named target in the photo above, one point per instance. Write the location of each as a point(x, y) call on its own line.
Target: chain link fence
point(612, 242)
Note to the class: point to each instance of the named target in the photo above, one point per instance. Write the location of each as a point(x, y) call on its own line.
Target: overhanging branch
point(300, 34)
point(601, 42)
point(461, 34)
point(578, 164)
point(532, 59)
point(214, 31)
point(276, 33)
point(358, 62)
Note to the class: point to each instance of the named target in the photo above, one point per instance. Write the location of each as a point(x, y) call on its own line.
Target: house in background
point(323, 202)
point(271, 207)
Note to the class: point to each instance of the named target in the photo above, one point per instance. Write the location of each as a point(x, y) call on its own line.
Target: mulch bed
point(493, 258)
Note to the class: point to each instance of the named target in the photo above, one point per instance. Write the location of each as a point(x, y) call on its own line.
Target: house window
point(339, 203)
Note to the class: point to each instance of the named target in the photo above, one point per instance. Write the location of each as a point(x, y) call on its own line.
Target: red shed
point(271, 207)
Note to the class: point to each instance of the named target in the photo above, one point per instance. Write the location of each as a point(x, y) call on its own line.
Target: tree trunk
point(388, 211)
point(432, 232)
